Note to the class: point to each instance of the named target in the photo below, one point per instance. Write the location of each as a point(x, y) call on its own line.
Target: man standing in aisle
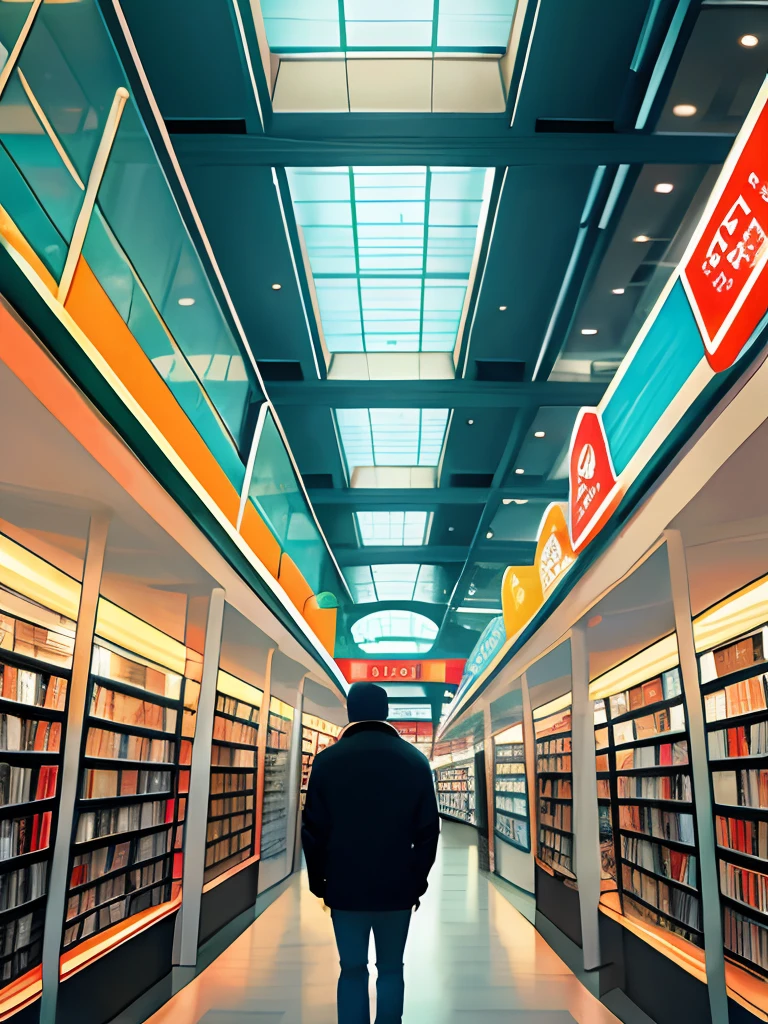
point(370, 832)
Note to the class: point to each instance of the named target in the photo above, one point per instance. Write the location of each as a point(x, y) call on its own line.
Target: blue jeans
point(353, 933)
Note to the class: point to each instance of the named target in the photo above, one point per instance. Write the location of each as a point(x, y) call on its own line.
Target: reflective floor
point(471, 957)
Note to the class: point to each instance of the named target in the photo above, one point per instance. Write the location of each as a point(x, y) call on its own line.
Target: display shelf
point(554, 790)
point(35, 671)
point(734, 691)
point(511, 805)
point(316, 735)
point(274, 823)
point(126, 853)
point(456, 791)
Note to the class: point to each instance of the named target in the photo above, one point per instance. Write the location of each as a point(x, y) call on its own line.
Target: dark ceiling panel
point(477, 448)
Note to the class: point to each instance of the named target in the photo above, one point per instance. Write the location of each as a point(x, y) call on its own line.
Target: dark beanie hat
point(367, 702)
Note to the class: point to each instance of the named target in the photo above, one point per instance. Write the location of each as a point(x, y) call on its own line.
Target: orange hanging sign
point(520, 596)
point(554, 552)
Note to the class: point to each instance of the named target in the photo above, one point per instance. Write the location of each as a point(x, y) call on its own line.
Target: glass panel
point(390, 249)
point(392, 529)
point(393, 632)
point(392, 437)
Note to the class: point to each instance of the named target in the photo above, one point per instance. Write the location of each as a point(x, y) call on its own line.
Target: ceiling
point(467, 254)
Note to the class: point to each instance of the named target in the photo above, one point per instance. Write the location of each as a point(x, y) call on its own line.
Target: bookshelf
point(231, 832)
point(35, 670)
point(126, 855)
point(734, 689)
point(510, 788)
point(316, 735)
point(420, 734)
point(456, 791)
point(648, 793)
point(274, 829)
point(554, 789)
point(605, 767)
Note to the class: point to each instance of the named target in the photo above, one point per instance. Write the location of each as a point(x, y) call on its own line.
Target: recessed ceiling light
point(594, 621)
point(276, 287)
point(589, 330)
point(506, 501)
point(540, 433)
point(489, 534)
point(617, 291)
point(451, 529)
point(641, 238)
point(519, 472)
point(664, 187)
point(186, 302)
point(749, 41)
point(470, 422)
point(502, 309)
point(684, 110)
point(520, 501)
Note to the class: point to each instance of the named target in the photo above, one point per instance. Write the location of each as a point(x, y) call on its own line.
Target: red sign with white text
point(725, 273)
point(593, 487)
point(430, 670)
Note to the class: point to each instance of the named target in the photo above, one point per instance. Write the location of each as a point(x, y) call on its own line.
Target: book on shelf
point(653, 756)
point(655, 787)
point(676, 826)
point(743, 835)
point(115, 706)
point(736, 699)
point(739, 654)
point(743, 884)
point(672, 864)
point(745, 937)
point(747, 787)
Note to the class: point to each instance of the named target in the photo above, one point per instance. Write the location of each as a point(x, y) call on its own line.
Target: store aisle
point(471, 957)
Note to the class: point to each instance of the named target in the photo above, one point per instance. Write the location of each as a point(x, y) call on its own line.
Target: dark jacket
point(370, 824)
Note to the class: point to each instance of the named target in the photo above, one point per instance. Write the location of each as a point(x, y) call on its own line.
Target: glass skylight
point(391, 251)
point(391, 437)
point(455, 25)
point(392, 529)
point(370, 583)
point(394, 632)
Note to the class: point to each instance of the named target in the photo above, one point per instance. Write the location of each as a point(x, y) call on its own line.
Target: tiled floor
point(471, 959)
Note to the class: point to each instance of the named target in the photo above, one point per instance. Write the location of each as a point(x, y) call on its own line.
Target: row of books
point(87, 867)
point(453, 774)
point(235, 732)
point(513, 785)
point(603, 789)
point(232, 804)
point(458, 804)
point(655, 755)
point(232, 782)
point(663, 687)
point(649, 915)
point(561, 789)
point(111, 821)
point(226, 826)
point(98, 783)
point(21, 785)
point(653, 821)
point(55, 646)
point(745, 937)
point(555, 849)
point(510, 752)
point(740, 698)
point(23, 885)
point(513, 829)
point(274, 834)
point(556, 815)
point(646, 726)
point(672, 864)
point(116, 885)
point(115, 706)
point(509, 768)
point(734, 656)
point(556, 763)
point(750, 887)
point(121, 668)
point(683, 906)
point(37, 689)
point(113, 913)
point(602, 738)
point(656, 787)
point(237, 708)
point(16, 936)
point(29, 734)
point(453, 787)
point(740, 834)
point(278, 739)
point(513, 804)
point(745, 788)
point(25, 835)
point(226, 848)
point(739, 741)
point(233, 757)
point(125, 746)
point(563, 745)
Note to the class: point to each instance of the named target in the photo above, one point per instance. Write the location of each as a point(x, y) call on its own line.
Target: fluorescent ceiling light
point(641, 238)
point(684, 110)
point(618, 291)
point(392, 529)
point(502, 309)
point(466, 610)
point(519, 472)
point(506, 501)
point(589, 330)
point(390, 251)
point(489, 534)
point(540, 433)
point(276, 287)
point(391, 437)
point(749, 41)
point(664, 187)
point(186, 302)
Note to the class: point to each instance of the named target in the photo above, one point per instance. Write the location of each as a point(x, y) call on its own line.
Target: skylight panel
point(395, 582)
point(390, 251)
point(407, 582)
point(391, 437)
point(392, 529)
point(390, 632)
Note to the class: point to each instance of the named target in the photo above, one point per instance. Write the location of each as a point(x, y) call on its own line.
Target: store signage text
point(593, 487)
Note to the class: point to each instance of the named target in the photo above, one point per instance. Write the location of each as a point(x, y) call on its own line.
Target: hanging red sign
point(724, 270)
point(593, 486)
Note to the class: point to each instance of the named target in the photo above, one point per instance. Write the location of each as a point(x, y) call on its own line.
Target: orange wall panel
point(260, 539)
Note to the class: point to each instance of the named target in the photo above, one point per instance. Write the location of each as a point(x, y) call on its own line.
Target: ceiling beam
point(434, 394)
point(410, 140)
point(502, 552)
point(397, 499)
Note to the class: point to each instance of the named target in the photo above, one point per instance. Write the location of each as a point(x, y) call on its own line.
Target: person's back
point(370, 832)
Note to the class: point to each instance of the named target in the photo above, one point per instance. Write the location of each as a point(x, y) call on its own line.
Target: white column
point(294, 780)
point(58, 878)
point(529, 739)
point(586, 819)
point(490, 787)
point(708, 879)
point(196, 822)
